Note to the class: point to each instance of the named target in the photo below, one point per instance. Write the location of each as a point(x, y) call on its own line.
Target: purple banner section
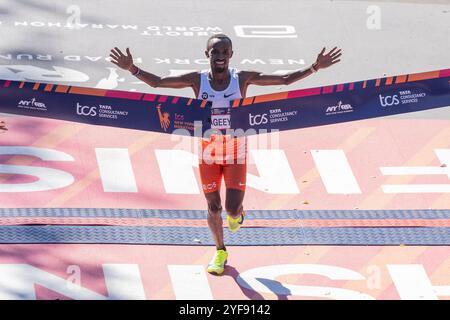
point(344, 102)
point(180, 115)
point(132, 110)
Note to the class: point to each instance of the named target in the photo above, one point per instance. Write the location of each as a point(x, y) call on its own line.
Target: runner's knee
point(233, 209)
point(214, 207)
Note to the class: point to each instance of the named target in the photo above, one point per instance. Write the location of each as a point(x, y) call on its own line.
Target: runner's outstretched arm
point(322, 62)
point(126, 62)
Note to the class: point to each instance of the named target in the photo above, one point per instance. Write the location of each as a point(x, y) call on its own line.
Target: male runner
point(220, 85)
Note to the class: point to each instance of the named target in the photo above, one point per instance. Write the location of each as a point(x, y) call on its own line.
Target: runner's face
point(219, 53)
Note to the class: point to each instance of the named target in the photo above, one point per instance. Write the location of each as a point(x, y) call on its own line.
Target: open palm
point(326, 60)
point(119, 59)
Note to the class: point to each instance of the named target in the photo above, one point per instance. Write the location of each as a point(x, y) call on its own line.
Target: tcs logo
point(387, 101)
point(210, 186)
point(257, 119)
point(86, 110)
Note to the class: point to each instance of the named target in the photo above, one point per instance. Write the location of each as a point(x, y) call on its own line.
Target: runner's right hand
point(123, 61)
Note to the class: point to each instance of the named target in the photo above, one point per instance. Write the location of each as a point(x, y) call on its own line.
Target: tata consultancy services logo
point(86, 110)
point(402, 97)
point(163, 118)
point(256, 120)
point(273, 116)
point(387, 101)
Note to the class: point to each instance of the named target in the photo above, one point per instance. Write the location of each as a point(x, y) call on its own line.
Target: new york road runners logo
point(163, 118)
point(32, 104)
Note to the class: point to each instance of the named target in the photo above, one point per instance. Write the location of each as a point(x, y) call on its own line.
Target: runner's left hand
point(3, 126)
point(326, 60)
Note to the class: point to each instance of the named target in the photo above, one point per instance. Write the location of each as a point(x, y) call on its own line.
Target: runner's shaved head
point(219, 36)
point(219, 51)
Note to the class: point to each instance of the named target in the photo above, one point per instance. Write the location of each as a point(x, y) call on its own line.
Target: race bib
point(220, 118)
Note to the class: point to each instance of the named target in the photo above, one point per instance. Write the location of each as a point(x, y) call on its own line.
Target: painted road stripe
point(190, 282)
point(116, 170)
point(335, 171)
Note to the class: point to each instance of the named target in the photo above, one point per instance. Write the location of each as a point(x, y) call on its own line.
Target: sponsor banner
point(157, 113)
point(280, 111)
point(345, 102)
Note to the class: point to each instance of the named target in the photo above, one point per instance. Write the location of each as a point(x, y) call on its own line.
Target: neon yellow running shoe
point(217, 264)
point(234, 224)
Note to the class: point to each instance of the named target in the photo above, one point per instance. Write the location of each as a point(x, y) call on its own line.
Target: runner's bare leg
point(215, 221)
point(233, 202)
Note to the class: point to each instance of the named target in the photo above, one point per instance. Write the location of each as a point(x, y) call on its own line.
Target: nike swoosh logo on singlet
point(229, 95)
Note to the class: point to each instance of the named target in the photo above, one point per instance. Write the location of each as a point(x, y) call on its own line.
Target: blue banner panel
point(130, 110)
point(280, 111)
point(348, 102)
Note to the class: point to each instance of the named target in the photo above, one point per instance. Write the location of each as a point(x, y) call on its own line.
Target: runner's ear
point(207, 53)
